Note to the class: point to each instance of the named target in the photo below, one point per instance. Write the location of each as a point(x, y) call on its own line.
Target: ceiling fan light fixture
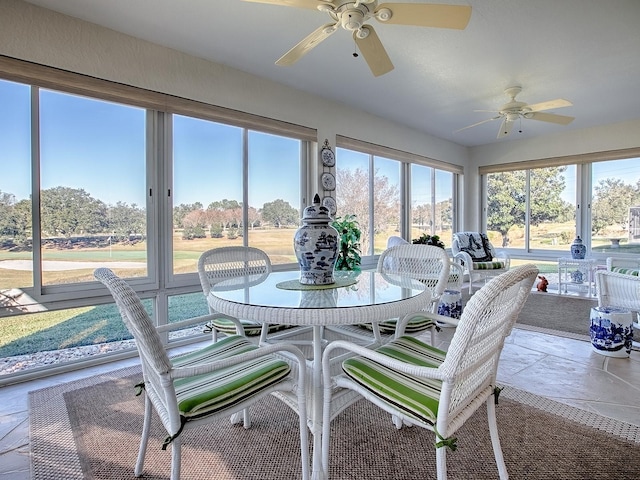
point(512, 116)
point(352, 20)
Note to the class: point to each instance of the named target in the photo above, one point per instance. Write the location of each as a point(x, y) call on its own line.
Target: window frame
point(159, 107)
point(406, 159)
point(584, 185)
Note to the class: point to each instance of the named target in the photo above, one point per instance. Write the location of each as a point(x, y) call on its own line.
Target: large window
point(16, 256)
point(91, 182)
point(615, 207)
point(530, 210)
point(431, 202)
point(541, 210)
point(369, 188)
point(92, 188)
point(214, 166)
point(393, 196)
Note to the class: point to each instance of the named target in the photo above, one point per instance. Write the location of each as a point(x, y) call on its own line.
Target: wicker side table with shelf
point(578, 272)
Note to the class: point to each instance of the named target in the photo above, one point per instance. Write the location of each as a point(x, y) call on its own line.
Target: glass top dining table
point(355, 298)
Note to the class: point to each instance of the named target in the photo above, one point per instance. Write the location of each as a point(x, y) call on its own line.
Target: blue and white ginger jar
point(578, 249)
point(316, 245)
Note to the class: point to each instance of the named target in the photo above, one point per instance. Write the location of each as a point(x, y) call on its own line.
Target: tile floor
point(563, 369)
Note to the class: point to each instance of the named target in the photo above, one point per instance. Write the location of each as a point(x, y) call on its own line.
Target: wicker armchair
point(426, 263)
point(205, 385)
point(619, 290)
point(437, 390)
point(626, 265)
point(223, 263)
point(477, 255)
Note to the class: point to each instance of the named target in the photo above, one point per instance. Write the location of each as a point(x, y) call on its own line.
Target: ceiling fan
point(352, 15)
point(513, 111)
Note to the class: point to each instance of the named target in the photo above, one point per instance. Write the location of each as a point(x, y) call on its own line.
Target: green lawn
point(53, 330)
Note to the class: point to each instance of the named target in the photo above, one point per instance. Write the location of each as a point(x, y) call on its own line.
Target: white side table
point(578, 272)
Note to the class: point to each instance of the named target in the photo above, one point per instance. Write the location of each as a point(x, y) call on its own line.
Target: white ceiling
point(586, 51)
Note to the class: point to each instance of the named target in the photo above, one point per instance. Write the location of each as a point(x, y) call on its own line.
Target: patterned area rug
point(89, 429)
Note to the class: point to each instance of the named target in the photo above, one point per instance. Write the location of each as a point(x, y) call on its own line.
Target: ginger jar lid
point(316, 213)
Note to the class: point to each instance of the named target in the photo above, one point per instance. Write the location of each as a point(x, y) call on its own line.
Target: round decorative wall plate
point(328, 181)
point(330, 203)
point(327, 156)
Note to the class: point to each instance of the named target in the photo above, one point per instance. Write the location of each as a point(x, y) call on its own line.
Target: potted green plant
point(425, 239)
point(349, 242)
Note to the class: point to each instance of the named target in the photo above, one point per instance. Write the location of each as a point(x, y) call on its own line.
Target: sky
point(100, 147)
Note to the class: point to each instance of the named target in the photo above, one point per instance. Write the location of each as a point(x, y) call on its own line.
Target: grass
point(53, 330)
point(56, 330)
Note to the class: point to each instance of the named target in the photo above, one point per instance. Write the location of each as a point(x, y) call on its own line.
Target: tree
point(280, 213)
point(8, 228)
point(506, 199)
point(611, 202)
point(226, 212)
point(194, 224)
point(124, 220)
point(71, 211)
point(182, 210)
point(352, 192)
point(253, 216)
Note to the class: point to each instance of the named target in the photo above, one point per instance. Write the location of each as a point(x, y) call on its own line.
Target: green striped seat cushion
point(204, 394)
point(488, 265)
point(417, 324)
point(416, 397)
point(626, 271)
point(251, 329)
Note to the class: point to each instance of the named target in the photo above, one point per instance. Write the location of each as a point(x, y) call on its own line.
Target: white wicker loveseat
point(624, 265)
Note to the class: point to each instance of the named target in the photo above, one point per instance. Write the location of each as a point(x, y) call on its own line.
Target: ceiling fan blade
point(306, 44)
point(312, 4)
point(476, 124)
point(426, 15)
point(550, 117)
point(373, 52)
point(505, 128)
point(551, 104)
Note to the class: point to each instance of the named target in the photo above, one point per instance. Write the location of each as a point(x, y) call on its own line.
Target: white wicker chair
point(426, 263)
point(424, 386)
point(619, 290)
point(205, 385)
point(626, 265)
point(478, 256)
point(223, 263)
